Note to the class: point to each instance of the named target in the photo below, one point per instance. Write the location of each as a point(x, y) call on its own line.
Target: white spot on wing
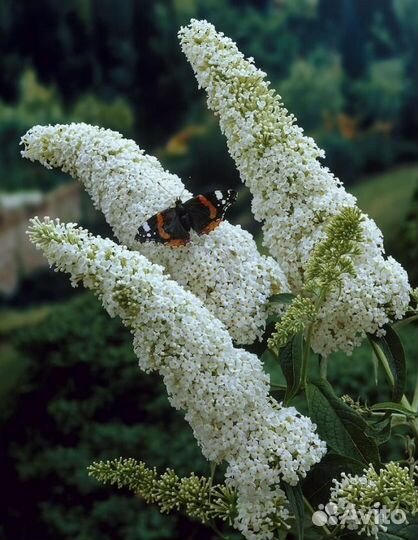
point(219, 195)
point(146, 227)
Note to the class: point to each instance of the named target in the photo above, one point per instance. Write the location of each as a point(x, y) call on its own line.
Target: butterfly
point(202, 213)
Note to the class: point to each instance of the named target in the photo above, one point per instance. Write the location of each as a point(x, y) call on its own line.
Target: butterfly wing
point(207, 210)
point(165, 227)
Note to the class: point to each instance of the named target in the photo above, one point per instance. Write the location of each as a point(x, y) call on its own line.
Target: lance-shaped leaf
point(390, 345)
point(297, 507)
point(291, 361)
point(342, 428)
point(391, 407)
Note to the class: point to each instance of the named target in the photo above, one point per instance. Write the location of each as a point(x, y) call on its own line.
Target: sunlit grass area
point(386, 198)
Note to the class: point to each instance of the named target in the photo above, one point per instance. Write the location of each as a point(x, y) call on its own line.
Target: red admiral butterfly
point(202, 213)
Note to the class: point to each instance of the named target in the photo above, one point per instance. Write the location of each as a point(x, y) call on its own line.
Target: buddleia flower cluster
point(294, 195)
point(224, 268)
point(222, 390)
point(374, 495)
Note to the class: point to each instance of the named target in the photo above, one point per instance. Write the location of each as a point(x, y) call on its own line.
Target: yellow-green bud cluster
point(331, 259)
point(393, 488)
point(301, 313)
point(193, 495)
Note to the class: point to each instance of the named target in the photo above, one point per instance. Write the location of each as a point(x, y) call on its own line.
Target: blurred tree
point(83, 398)
point(129, 48)
point(299, 8)
point(40, 104)
point(352, 37)
point(380, 96)
point(116, 115)
point(313, 91)
point(406, 249)
point(199, 155)
point(407, 16)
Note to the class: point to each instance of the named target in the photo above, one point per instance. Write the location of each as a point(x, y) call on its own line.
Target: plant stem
point(335, 532)
point(212, 476)
point(306, 355)
point(217, 531)
point(323, 367)
point(414, 403)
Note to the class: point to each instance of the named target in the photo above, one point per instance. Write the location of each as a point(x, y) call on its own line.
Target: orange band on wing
point(212, 226)
point(160, 227)
point(212, 210)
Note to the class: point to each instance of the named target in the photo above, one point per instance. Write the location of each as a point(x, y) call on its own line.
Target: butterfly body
point(202, 214)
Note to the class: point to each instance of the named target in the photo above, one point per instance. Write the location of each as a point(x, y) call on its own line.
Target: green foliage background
point(347, 69)
point(70, 389)
point(81, 397)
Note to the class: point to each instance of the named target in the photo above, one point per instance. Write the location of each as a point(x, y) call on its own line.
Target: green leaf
point(297, 507)
point(316, 486)
point(392, 348)
point(375, 362)
point(381, 430)
point(271, 322)
point(342, 428)
point(390, 406)
point(406, 321)
point(290, 359)
point(404, 531)
point(268, 356)
point(283, 298)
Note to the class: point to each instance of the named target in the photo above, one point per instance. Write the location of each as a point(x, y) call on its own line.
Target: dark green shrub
point(83, 398)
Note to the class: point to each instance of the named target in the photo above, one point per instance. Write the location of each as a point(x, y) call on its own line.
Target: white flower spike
point(223, 390)
point(294, 196)
point(223, 268)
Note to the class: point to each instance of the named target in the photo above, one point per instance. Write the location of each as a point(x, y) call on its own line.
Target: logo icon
point(325, 515)
point(371, 520)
